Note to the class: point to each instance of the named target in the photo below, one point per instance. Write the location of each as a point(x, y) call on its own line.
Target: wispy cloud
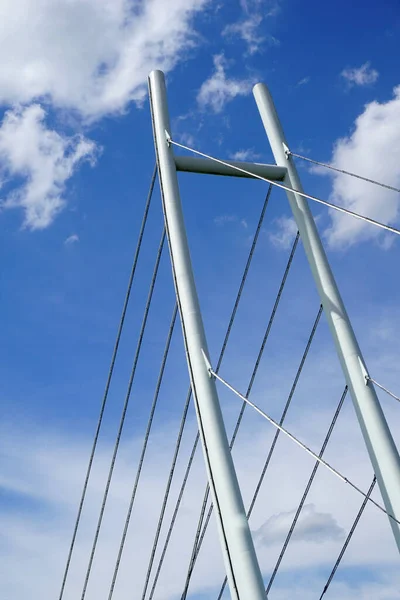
point(245, 155)
point(249, 31)
point(219, 89)
point(71, 240)
point(269, 7)
point(222, 220)
point(41, 479)
point(251, 28)
point(361, 76)
point(44, 159)
point(284, 233)
point(303, 81)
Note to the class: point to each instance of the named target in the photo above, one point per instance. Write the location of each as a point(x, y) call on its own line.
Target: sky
point(76, 158)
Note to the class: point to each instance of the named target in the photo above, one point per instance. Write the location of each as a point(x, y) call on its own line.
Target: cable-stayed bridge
point(222, 498)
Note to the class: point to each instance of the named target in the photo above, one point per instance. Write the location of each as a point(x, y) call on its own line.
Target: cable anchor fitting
point(286, 150)
point(208, 365)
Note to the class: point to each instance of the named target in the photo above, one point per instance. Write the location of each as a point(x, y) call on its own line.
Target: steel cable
point(327, 166)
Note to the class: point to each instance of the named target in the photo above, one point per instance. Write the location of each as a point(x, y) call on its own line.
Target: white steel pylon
point(382, 450)
point(242, 569)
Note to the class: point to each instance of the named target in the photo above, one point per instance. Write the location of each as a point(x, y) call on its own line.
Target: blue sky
point(76, 157)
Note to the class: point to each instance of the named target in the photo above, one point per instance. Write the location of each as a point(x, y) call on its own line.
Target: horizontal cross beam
point(190, 164)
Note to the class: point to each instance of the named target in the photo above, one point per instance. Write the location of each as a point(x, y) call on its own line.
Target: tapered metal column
point(381, 447)
point(243, 572)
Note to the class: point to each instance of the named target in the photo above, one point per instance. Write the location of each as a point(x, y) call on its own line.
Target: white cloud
point(245, 155)
point(92, 56)
point(218, 89)
point(72, 239)
point(43, 158)
point(284, 234)
point(312, 526)
point(371, 150)
point(361, 76)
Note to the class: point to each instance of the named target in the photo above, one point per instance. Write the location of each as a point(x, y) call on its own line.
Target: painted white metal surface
point(378, 439)
point(243, 572)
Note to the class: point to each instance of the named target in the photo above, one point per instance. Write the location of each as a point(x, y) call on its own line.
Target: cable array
point(300, 443)
point(165, 500)
point(306, 491)
point(144, 448)
point(174, 516)
point(195, 444)
point(109, 378)
point(348, 538)
point(123, 414)
point(200, 537)
point(281, 421)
